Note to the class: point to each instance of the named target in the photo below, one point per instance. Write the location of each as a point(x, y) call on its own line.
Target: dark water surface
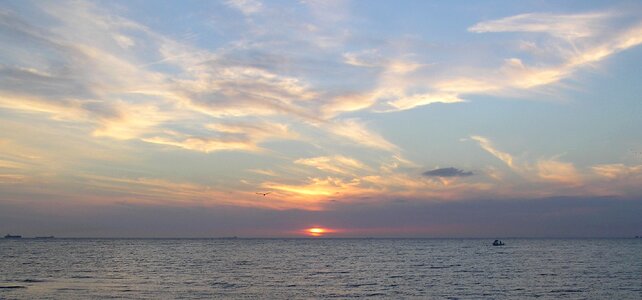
point(321, 268)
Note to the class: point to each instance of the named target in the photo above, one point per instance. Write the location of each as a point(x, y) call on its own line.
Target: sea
point(320, 268)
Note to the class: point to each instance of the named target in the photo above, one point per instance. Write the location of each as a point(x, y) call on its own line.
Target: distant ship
point(498, 243)
point(9, 236)
point(44, 237)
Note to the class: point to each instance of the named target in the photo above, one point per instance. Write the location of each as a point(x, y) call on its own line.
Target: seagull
point(264, 194)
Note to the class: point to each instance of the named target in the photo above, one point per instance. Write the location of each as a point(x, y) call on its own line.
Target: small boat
point(9, 236)
point(498, 243)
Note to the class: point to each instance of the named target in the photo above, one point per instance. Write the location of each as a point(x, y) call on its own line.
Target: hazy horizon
point(539, 218)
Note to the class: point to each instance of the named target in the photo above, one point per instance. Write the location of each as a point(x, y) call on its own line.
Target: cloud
point(570, 26)
point(234, 91)
point(572, 41)
point(75, 79)
point(10, 178)
point(130, 121)
point(347, 103)
point(227, 137)
point(352, 181)
point(395, 88)
point(328, 186)
point(447, 172)
point(558, 171)
point(544, 177)
point(263, 172)
point(47, 151)
point(615, 171)
point(337, 164)
point(401, 85)
point(202, 144)
point(576, 40)
point(82, 78)
point(149, 191)
point(5, 164)
point(115, 119)
point(412, 101)
point(365, 58)
point(315, 193)
point(490, 148)
point(257, 131)
point(247, 7)
point(356, 131)
point(548, 169)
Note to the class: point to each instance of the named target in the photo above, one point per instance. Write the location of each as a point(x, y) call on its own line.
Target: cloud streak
point(447, 172)
point(570, 26)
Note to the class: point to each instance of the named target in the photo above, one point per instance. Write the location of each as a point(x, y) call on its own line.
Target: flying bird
point(264, 194)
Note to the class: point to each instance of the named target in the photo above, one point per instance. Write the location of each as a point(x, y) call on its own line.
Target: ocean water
point(320, 268)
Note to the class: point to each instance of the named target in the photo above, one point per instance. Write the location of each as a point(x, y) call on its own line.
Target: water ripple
point(308, 268)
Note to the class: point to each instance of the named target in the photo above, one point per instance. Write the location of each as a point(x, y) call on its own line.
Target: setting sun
point(317, 231)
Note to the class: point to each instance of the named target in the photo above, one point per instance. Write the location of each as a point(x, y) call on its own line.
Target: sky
point(360, 118)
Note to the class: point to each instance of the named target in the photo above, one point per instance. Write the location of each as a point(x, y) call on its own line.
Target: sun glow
point(317, 231)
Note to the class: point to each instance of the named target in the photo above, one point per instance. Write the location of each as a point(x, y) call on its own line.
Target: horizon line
point(325, 237)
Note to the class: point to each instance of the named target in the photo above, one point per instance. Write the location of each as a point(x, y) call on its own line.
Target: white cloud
point(487, 145)
point(356, 131)
point(412, 101)
point(366, 58)
point(247, 7)
point(337, 164)
point(549, 169)
point(569, 26)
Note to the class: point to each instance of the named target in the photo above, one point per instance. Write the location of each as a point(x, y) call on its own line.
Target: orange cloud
point(338, 164)
point(557, 171)
point(615, 171)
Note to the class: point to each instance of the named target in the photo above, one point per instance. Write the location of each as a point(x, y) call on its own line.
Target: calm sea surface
point(320, 268)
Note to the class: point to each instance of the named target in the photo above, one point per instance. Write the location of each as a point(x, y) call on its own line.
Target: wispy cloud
point(227, 136)
point(576, 41)
point(4, 164)
point(263, 172)
point(572, 42)
point(558, 171)
point(11, 178)
point(569, 26)
point(338, 164)
point(616, 171)
point(202, 144)
point(547, 169)
point(357, 131)
point(247, 7)
point(447, 172)
point(412, 101)
point(488, 146)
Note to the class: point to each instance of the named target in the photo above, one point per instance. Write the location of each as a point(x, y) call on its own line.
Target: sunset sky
point(360, 118)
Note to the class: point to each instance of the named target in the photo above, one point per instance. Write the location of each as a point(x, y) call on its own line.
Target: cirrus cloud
point(447, 172)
